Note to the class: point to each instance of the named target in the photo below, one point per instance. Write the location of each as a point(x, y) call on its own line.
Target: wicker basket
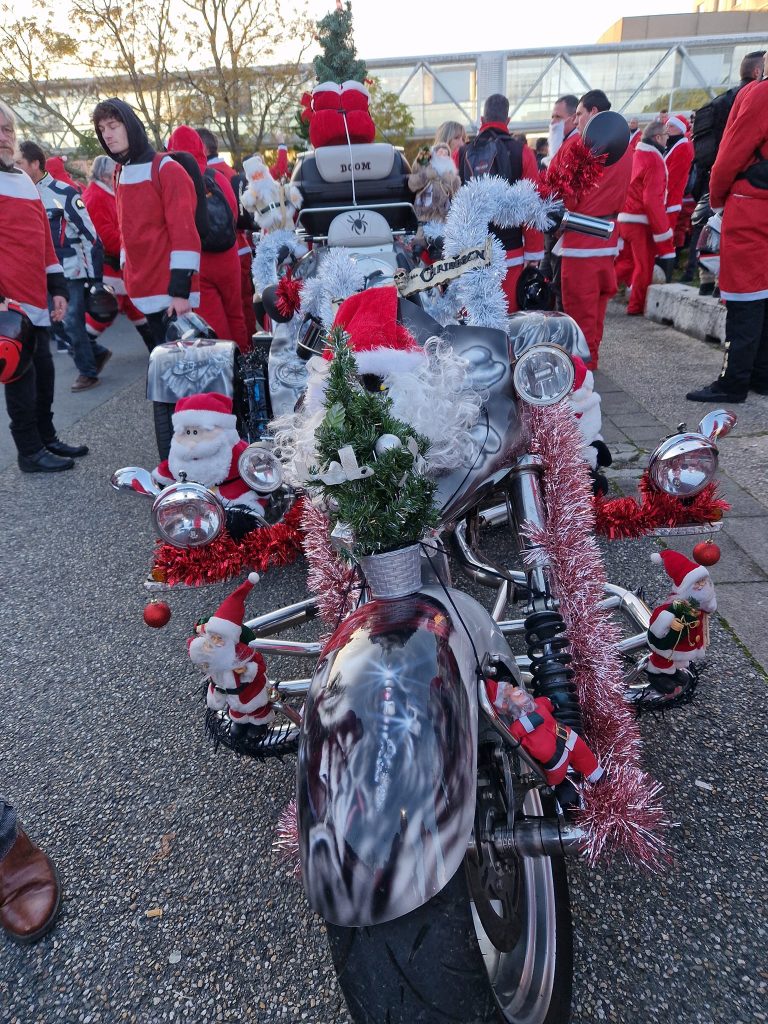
point(393, 573)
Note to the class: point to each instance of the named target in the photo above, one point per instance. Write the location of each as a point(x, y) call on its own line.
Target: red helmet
point(17, 343)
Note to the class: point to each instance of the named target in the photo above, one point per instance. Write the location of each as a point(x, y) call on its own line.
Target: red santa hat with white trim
point(679, 121)
point(208, 410)
point(228, 620)
point(378, 342)
point(681, 570)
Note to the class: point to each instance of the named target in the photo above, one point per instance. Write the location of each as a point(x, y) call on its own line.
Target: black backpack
point(709, 126)
point(213, 214)
point(492, 154)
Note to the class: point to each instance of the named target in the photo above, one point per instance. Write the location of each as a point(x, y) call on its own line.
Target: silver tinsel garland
point(264, 270)
point(338, 277)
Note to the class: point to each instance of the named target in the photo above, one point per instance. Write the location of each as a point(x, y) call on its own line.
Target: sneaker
point(83, 383)
point(102, 359)
point(715, 393)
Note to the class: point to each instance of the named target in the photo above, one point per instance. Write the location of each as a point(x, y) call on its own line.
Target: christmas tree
point(338, 62)
point(393, 505)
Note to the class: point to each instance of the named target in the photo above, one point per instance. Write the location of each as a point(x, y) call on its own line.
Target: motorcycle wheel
point(439, 963)
point(162, 413)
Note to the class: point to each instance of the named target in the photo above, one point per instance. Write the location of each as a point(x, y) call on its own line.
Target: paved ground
point(104, 755)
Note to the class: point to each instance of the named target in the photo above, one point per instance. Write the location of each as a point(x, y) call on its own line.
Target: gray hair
point(654, 128)
point(102, 168)
point(8, 114)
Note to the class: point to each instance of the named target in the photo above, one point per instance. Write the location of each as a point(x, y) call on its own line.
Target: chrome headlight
point(543, 375)
point(188, 515)
point(260, 469)
point(683, 465)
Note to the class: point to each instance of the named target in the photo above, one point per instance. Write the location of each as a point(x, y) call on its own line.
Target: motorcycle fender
point(387, 756)
point(177, 370)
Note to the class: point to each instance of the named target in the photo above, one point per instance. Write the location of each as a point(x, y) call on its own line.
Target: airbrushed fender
point(387, 755)
point(178, 369)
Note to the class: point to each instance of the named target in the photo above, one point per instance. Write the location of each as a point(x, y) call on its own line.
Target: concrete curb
point(680, 306)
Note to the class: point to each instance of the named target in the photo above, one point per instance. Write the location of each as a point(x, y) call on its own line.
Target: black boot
point(146, 336)
point(66, 451)
point(44, 462)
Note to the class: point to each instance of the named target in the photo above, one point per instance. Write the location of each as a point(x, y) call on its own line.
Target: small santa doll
point(205, 449)
point(435, 181)
point(679, 629)
point(236, 674)
point(273, 202)
point(554, 746)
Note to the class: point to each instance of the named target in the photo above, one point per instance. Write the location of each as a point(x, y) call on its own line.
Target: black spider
point(358, 223)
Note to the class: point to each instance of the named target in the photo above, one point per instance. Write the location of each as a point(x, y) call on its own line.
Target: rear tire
point(162, 413)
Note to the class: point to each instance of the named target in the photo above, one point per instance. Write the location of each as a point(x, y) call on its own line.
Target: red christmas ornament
point(157, 614)
point(706, 552)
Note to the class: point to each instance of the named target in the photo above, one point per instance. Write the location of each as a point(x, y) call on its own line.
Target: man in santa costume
point(236, 674)
point(743, 267)
point(643, 221)
point(678, 158)
point(679, 629)
point(205, 448)
point(587, 273)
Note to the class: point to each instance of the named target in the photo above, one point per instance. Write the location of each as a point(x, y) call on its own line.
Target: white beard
point(205, 463)
point(706, 598)
point(443, 165)
point(556, 136)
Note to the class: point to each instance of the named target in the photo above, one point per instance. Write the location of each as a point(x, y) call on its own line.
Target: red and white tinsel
point(333, 581)
point(623, 814)
point(286, 843)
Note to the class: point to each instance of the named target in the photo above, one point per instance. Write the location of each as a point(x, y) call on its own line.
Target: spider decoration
point(358, 223)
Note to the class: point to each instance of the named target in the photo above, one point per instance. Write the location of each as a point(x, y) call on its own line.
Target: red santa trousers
point(509, 284)
point(639, 253)
point(221, 296)
point(247, 293)
point(587, 285)
point(681, 227)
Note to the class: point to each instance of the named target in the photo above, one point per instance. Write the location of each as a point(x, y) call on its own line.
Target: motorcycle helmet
point(708, 245)
point(188, 327)
point(701, 212)
point(17, 343)
point(101, 304)
point(534, 291)
point(269, 301)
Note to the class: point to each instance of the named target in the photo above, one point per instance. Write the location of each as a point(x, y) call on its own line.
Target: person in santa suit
point(206, 447)
point(99, 199)
point(678, 158)
point(494, 151)
point(643, 222)
point(156, 206)
point(587, 272)
point(679, 630)
point(236, 674)
point(635, 134)
point(735, 189)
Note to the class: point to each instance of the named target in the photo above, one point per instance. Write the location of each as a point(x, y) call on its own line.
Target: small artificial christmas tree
point(338, 62)
point(390, 503)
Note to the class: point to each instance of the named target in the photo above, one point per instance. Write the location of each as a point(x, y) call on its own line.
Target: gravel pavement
point(105, 758)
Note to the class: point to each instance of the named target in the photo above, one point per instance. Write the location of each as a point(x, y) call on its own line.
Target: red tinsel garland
point(626, 518)
point(332, 580)
point(573, 174)
point(261, 549)
point(288, 294)
point(623, 814)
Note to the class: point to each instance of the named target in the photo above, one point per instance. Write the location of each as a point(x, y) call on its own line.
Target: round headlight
point(683, 465)
point(260, 469)
point(188, 515)
point(543, 375)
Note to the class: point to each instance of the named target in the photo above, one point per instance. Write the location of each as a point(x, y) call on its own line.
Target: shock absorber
point(552, 677)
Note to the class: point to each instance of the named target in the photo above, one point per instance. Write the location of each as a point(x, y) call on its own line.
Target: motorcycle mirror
point(717, 424)
point(607, 132)
point(269, 299)
point(136, 480)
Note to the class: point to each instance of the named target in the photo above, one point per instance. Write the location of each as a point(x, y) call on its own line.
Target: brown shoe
point(83, 383)
point(103, 359)
point(30, 892)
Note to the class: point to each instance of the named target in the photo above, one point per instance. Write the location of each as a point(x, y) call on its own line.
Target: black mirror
point(607, 132)
point(269, 300)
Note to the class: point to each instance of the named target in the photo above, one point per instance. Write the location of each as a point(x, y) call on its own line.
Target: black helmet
point(189, 326)
point(17, 343)
point(101, 304)
point(534, 291)
point(269, 299)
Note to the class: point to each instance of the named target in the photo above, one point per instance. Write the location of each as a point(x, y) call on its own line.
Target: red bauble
point(706, 552)
point(157, 614)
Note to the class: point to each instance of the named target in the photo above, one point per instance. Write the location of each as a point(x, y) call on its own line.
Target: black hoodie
point(139, 149)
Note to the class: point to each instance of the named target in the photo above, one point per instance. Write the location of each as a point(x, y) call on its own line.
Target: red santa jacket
point(26, 248)
point(635, 139)
point(156, 212)
point(553, 745)
point(605, 200)
point(646, 201)
point(743, 267)
point(678, 160)
point(688, 644)
point(101, 204)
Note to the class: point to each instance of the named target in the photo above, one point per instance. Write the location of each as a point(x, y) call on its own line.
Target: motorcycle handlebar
point(567, 220)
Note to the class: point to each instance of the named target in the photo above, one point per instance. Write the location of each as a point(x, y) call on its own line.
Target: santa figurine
point(435, 181)
point(273, 202)
point(554, 746)
point(585, 405)
point(236, 674)
point(679, 629)
point(205, 449)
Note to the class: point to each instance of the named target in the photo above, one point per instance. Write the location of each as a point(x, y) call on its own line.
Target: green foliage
point(338, 62)
point(394, 507)
point(685, 100)
point(393, 120)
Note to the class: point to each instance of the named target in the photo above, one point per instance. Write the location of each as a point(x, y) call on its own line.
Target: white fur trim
point(203, 418)
point(224, 627)
point(253, 577)
point(675, 122)
point(385, 361)
point(355, 87)
point(327, 87)
point(699, 573)
point(656, 558)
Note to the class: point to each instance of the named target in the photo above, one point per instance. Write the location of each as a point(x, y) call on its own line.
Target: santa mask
point(203, 453)
point(556, 136)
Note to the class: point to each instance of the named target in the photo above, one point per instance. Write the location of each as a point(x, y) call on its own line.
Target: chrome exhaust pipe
point(539, 837)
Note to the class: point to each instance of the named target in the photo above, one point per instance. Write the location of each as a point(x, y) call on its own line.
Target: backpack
point(492, 154)
point(213, 214)
point(709, 126)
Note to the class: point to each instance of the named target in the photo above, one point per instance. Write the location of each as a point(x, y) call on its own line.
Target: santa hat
point(206, 410)
point(680, 122)
point(228, 620)
point(681, 570)
point(378, 342)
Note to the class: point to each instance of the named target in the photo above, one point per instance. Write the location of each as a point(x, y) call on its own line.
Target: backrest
point(358, 228)
point(373, 161)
